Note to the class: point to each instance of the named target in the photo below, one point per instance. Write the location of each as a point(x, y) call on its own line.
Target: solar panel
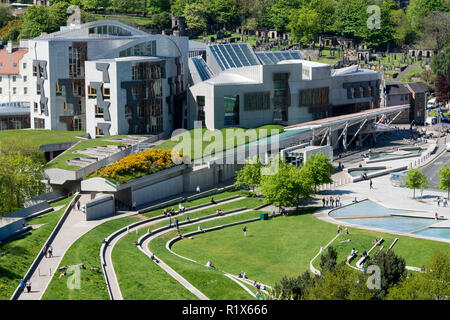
point(202, 68)
point(233, 55)
point(273, 57)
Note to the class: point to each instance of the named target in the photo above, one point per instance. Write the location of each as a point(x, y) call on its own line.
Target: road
point(431, 171)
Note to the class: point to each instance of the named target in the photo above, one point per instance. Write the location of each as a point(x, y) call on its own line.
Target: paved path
point(405, 72)
point(73, 228)
point(109, 267)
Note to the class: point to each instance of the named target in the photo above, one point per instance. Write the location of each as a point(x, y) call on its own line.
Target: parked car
point(448, 146)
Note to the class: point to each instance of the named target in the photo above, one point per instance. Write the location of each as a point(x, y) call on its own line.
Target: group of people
point(332, 202)
point(339, 230)
point(242, 275)
point(259, 286)
point(170, 212)
point(376, 242)
point(219, 212)
point(26, 284)
point(48, 252)
point(132, 205)
point(443, 200)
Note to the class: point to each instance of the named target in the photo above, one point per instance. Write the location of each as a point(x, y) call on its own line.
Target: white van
point(431, 103)
point(448, 146)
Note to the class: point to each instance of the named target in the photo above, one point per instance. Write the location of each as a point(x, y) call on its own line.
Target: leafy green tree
point(196, 16)
point(35, 21)
point(351, 18)
point(161, 20)
point(24, 147)
point(415, 179)
point(20, 178)
point(223, 12)
point(392, 270)
point(304, 24)
point(432, 284)
point(280, 188)
point(95, 4)
point(5, 14)
point(440, 64)
point(294, 288)
point(57, 16)
point(158, 6)
point(328, 260)
point(340, 284)
point(436, 30)
point(444, 179)
point(278, 14)
point(403, 33)
point(320, 169)
point(250, 174)
point(325, 11)
point(419, 9)
point(178, 6)
point(383, 36)
point(255, 13)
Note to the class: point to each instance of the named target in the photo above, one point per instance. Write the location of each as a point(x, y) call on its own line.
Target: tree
point(294, 288)
point(250, 174)
point(25, 147)
point(440, 64)
point(415, 179)
point(161, 20)
point(340, 284)
point(5, 14)
point(442, 88)
point(403, 34)
point(436, 30)
point(325, 11)
point(223, 12)
point(20, 178)
point(320, 169)
point(35, 21)
point(304, 25)
point(419, 9)
point(328, 261)
point(57, 16)
point(280, 188)
point(95, 4)
point(351, 18)
point(432, 284)
point(196, 16)
point(278, 14)
point(392, 270)
point(444, 179)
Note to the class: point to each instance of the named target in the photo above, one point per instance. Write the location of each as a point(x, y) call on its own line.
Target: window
point(78, 124)
point(281, 96)
point(134, 92)
point(25, 90)
point(14, 78)
point(58, 89)
point(75, 62)
point(1, 78)
point(65, 105)
point(24, 65)
point(24, 78)
point(38, 88)
point(14, 90)
point(201, 108)
point(1, 91)
point(34, 71)
point(92, 93)
point(106, 93)
point(98, 112)
point(231, 110)
point(39, 123)
point(311, 97)
point(128, 111)
point(99, 132)
point(257, 101)
point(35, 107)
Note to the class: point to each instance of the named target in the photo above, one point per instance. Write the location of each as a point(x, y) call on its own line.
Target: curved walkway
point(71, 229)
point(109, 271)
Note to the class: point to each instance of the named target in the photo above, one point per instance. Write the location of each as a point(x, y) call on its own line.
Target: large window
point(201, 108)
point(257, 101)
point(75, 62)
point(231, 110)
point(311, 97)
point(281, 96)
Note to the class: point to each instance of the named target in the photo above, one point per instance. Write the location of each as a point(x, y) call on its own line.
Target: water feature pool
point(435, 232)
point(363, 208)
point(359, 171)
point(402, 153)
point(394, 223)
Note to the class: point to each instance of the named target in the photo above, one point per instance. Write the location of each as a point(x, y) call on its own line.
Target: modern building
point(413, 93)
point(14, 117)
point(239, 87)
point(108, 78)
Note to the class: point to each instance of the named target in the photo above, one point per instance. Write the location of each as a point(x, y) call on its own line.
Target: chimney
point(9, 47)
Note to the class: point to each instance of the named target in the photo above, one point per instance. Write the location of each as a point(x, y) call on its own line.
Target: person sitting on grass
point(212, 200)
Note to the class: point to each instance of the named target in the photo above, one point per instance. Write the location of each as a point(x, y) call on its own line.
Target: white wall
point(158, 190)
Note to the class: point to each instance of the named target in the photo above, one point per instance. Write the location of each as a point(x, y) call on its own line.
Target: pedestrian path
point(73, 228)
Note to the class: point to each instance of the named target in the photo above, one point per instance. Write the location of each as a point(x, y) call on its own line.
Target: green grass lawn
point(285, 246)
point(86, 250)
point(61, 163)
point(42, 137)
point(229, 141)
point(414, 72)
point(211, 282)
point(331, 62)
point(16, 256)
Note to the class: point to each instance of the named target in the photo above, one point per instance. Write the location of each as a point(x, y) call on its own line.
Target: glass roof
point(233, 55)
point(273, 57)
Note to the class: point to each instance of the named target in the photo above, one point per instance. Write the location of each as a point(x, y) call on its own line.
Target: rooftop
point(9, 62)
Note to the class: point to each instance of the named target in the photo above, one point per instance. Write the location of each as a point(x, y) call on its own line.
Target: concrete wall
point(9, 226)
point(100, 207)
point(159, 190)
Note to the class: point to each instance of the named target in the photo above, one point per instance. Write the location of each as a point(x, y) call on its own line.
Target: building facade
point(238, 87)
point(413, 93)
point(80, 73)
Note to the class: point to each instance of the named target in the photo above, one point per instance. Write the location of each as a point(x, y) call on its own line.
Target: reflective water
point(435, 232)
point(402, 224)
point(364, 208)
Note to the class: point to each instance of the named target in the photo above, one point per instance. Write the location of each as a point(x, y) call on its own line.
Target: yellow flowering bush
point(138, 164)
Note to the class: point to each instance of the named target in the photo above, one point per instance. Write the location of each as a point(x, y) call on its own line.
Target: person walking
point(245, 231)
point(22, 284)
point(44, 251)
point(50, 252)
point(323, 202)
point(78, 205)
point(198, 189)
point(28, 286)
point(176, 223)
point(170, 221)
point(371, 184)
point(436, 216)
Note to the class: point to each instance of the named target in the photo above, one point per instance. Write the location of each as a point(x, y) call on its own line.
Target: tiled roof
point(396, 88)
point(418, 86)
point(8, 60)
